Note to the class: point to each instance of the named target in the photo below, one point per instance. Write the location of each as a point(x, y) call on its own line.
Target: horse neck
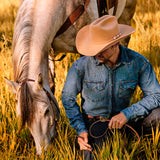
point(28, 61)
point(38, 63)
point(21, 41)
point(43, 33)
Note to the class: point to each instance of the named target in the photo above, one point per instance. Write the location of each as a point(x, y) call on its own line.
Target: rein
point(48, 95)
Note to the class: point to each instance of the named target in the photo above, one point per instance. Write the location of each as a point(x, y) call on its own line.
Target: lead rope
point(106, 120)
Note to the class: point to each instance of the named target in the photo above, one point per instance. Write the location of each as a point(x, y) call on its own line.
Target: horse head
point(37, 108)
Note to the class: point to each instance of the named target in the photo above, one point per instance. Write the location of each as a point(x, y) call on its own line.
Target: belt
point(95, 117)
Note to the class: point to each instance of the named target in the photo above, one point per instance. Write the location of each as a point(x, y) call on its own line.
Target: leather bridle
point(49, 97)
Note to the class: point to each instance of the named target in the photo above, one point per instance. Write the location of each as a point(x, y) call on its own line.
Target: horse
point(39, 26)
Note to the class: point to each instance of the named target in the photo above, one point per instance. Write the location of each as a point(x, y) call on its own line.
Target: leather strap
point(115, 7)
point(112, 3)
point(126, 125)
point(25, 80)
point(73, 17)
point(105, 5)
point(103, 9)
point(94, 117)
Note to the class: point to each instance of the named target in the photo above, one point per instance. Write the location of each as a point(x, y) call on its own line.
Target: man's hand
point(117, 121)
point(83, 141)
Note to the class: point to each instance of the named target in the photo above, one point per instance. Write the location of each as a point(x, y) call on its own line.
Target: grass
point(20, 145)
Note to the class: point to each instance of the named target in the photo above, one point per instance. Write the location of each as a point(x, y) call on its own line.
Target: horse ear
point(39, 82)
point(12, 85)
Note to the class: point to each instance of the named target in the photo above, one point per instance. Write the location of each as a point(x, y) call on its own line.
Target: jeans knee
point(152, 120)
point(153, 117)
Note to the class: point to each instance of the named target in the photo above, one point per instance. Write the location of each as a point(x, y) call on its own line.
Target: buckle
point(103, 119)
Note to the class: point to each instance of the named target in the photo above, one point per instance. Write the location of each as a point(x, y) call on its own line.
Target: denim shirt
point(106, 91)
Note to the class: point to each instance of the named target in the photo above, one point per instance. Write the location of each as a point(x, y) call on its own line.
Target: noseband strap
point(25, 80)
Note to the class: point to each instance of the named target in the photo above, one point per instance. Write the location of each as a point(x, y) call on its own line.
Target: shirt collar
point(124, 59)
point(96, 60)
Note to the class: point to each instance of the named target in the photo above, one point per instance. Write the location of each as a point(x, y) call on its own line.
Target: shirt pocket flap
point(94, 91)
point(128, 85)
point(127, 88)
point(95, 85)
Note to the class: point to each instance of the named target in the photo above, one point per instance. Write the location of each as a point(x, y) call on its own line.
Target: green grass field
point(20, 145)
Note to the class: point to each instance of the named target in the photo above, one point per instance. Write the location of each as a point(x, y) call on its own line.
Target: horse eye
point(46, 112)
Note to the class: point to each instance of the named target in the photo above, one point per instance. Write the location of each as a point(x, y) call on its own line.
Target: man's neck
point(113, 60)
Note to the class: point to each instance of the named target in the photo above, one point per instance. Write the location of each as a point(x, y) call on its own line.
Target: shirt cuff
point(81, 131)
point(129, 113)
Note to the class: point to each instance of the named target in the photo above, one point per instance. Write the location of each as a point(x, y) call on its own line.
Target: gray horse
point(37, 28)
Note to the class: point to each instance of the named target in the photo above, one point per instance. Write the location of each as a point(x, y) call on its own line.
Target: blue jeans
point(142, 126)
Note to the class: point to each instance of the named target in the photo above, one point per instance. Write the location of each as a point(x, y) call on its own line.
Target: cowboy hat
point(101, 34)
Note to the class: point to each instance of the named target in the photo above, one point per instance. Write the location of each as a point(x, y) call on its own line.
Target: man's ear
point(12, 85)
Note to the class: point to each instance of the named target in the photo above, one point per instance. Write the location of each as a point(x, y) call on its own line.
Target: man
point(106, 77)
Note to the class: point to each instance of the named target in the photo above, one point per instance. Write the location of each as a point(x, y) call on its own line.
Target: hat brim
point(87, 48)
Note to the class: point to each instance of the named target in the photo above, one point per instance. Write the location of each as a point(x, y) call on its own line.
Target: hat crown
point(103, 29)
point(101, 34)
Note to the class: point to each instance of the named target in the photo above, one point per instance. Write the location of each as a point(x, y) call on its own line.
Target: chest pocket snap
point(94, 90)
point(127, 88)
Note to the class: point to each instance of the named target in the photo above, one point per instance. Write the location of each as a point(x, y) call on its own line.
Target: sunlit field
point(20, 145)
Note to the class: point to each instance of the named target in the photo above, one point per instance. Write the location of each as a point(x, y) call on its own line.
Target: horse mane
point(21, 41)
point(26, 105)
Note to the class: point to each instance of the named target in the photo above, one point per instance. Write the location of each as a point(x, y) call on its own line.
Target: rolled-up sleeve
point(70, 91)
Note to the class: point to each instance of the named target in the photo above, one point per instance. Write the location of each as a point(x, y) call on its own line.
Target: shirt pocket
point(94, 90)
point(127, 88)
